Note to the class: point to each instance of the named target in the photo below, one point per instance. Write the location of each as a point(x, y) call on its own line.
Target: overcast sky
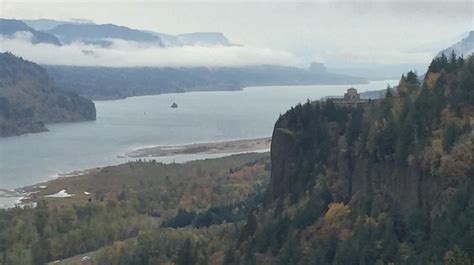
point(335, 32)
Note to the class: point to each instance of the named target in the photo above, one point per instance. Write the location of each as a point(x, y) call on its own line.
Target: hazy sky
point(336, 32)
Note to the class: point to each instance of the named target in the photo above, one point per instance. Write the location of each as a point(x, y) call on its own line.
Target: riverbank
point(58, 188)
point(108, 183)
point(137, 122)
point(234, 146)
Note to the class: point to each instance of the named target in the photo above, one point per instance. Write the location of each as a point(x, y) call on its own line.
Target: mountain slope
point(29, 99)
point(463, 47)
point(9, 27)
point(193, 39)
point(203, 38)
point(110, 82)
point(93, 32)
point(47, 24)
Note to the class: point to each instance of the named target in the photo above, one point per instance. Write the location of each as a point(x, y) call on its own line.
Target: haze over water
point(123, 125)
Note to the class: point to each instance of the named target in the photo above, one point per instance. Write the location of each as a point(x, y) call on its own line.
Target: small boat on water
point(174, 105)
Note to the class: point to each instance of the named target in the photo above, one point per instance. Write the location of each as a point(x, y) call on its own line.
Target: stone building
point(351, 95)
point(351, 99)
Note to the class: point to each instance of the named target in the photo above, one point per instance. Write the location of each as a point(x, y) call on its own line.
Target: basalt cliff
point(389, 181)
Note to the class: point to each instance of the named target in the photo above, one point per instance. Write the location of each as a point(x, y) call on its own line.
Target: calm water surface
point(123, 125)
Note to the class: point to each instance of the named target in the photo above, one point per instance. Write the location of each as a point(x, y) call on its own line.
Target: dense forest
point(388, 182)
point(128, 214)
point(29, 99)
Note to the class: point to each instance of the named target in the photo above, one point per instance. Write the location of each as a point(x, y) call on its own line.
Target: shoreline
point(22, 196)
point(208, 148)
point(102, 182)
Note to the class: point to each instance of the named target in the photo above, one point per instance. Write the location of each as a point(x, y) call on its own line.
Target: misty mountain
point(113, 82)
point(88, 32)
point(203, 38)
point(29, 99)
point(99, 34)
point(436, 46)
point(44, 24)
point(193, 39)
point(10, 27)
point(463, 47)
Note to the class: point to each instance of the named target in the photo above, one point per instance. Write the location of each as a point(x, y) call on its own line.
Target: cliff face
point(358, 156)
point(394, 152)
point(387, 182)
point(29, 99)
point(282, 157)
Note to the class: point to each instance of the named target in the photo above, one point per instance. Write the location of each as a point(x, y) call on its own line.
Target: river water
point(123, 125)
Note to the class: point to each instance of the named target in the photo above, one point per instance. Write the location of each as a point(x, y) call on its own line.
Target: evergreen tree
point(449, 136)
point(456, 256)
point(185, 254)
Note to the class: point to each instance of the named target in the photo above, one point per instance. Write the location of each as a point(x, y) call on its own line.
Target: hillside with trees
point(121, 82)
point(388, 183)
point(141, 212)
point(29, 99)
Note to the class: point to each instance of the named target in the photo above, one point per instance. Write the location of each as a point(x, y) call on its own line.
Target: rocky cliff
point(387, 182)
point(388, 150)
point(29, 99)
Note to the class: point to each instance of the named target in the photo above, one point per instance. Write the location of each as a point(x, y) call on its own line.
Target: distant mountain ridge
point(29, 99)
point(45, 24)
point(93, 32)
point(195, 38)
point(113, 83)
point(100, 34)
point(10, 27)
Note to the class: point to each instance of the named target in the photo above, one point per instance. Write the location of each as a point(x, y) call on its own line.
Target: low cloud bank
point(130, 54)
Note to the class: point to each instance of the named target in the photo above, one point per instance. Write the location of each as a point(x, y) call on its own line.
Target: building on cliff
point(351, 99)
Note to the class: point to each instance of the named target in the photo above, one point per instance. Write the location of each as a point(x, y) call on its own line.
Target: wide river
point(123, 125)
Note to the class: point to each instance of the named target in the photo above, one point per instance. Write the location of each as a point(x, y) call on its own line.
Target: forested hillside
point(388, 183)
point(129, 214)
point(113, 82)
point(29, 99)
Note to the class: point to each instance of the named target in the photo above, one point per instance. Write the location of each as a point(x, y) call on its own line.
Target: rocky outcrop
point(282, 157)
point(393, 161)
point(352, 174)
point(29, 99)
